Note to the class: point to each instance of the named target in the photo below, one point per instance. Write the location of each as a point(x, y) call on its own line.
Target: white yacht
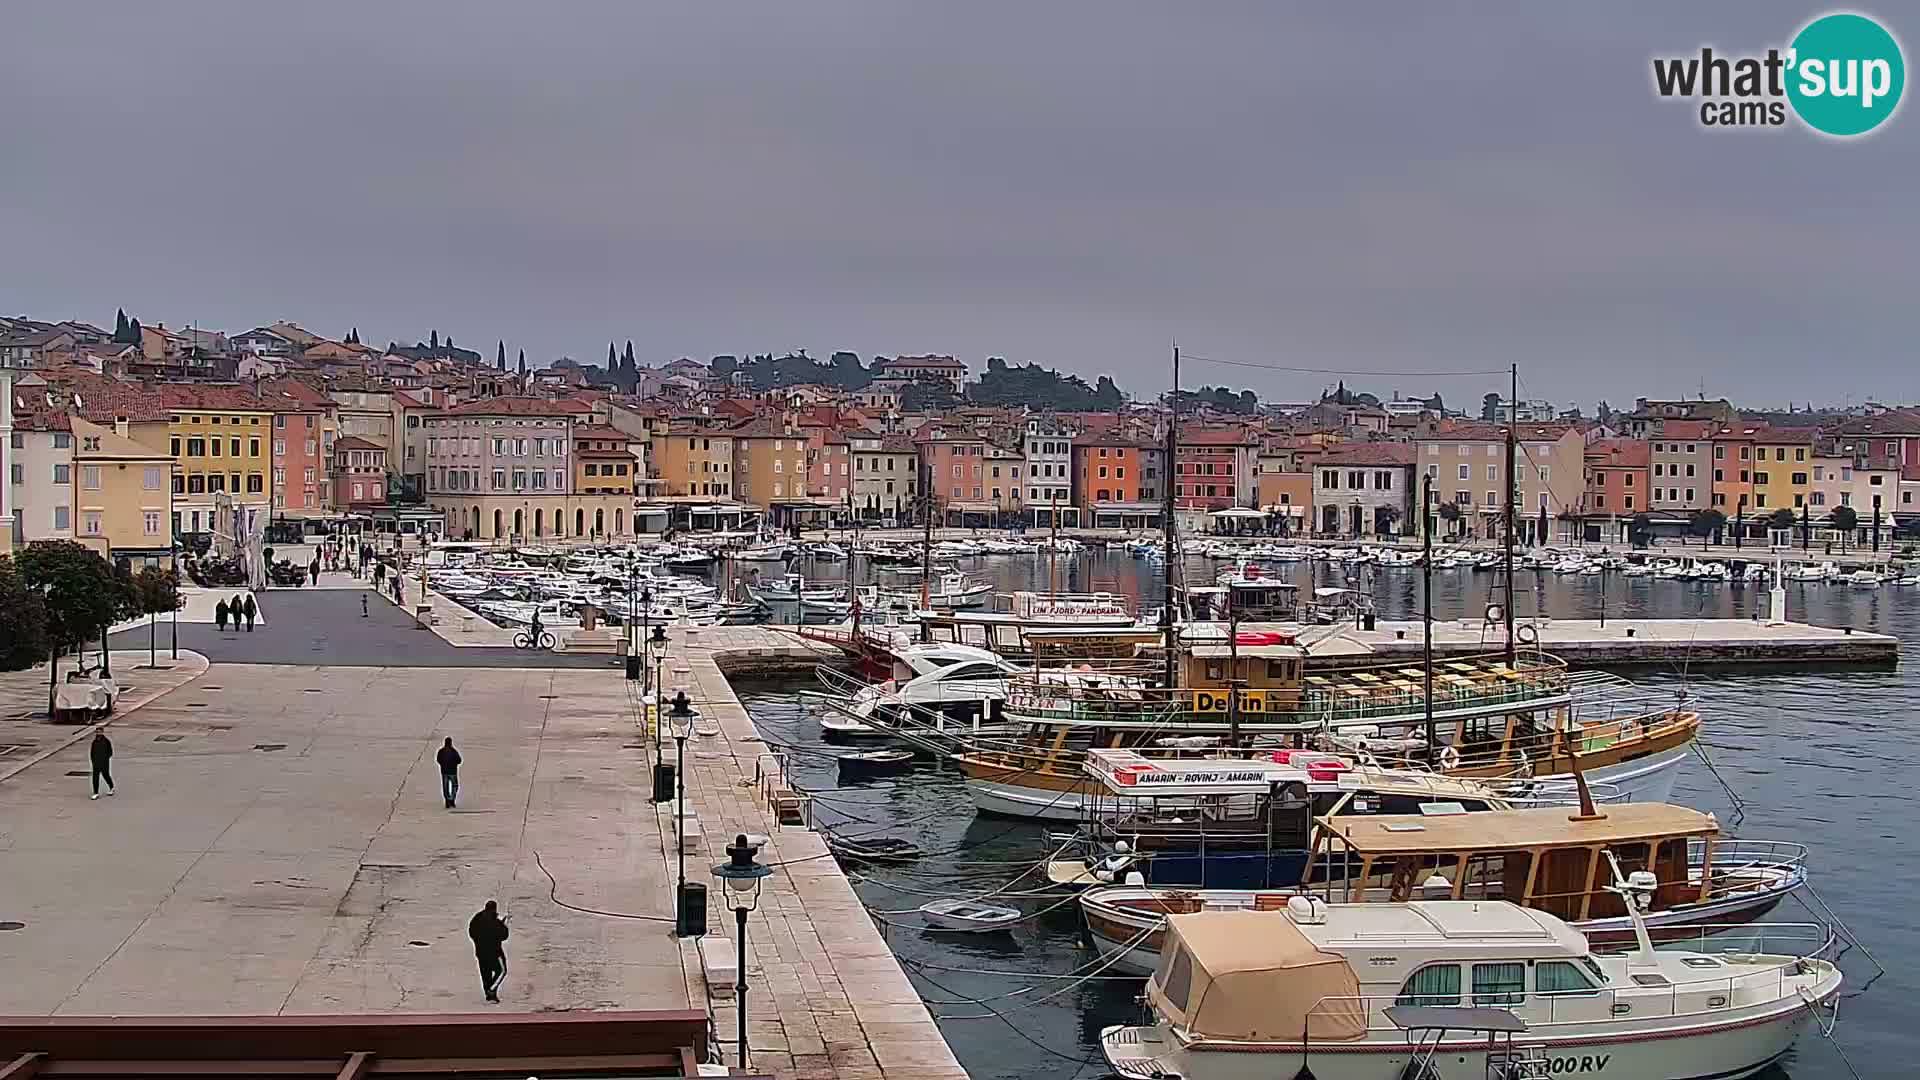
point(935, 684)
point(1453, 988)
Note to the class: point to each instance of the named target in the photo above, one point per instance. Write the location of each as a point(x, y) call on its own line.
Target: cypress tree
point(120, 325)
point(523, 362)
point(626, 361)
point(500, 355)
point(433, 340)
point(612, 362)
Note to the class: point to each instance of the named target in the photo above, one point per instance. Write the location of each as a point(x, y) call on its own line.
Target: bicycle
point(524, 640)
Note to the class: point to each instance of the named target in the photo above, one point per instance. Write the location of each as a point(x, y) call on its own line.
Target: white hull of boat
point(1647, 779)
point(1746, 1042)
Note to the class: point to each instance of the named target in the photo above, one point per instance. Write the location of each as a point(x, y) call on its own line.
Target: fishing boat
point(770, 551)
point(1456, 988)
point(1543, 858)
point(791, 588)
point(948, 591)
point(1491, 720)
point(972, 916)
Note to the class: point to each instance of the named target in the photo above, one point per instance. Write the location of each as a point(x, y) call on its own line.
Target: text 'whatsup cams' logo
point(1842, 76)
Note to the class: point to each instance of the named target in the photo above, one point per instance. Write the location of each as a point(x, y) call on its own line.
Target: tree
point(1603, 411)
point(1384, 519)
point(1845, 519)
point(927, 396)
point(120, 326)
point(80, 596)
point(1705, 523)
point(155, 590)
point(523, 362)
point(613, 359)
point(133, 331)
point(1450, 513)
point(23, 620)
point(500, 354)
point(626, 358)
point(433, 340)
point(1781, 519)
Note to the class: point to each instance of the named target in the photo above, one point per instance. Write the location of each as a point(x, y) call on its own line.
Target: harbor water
point(1823, 758)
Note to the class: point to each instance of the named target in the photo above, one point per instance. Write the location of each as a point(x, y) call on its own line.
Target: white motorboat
point(776, 551)
point(1864, 579)
point(934, 686)
point(789, 588)
point(973, 916)
point(826, 551)
point(1455, 988)
point(948, 591)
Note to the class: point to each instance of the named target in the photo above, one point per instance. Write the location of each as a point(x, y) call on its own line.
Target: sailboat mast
point(1513, 494)
point(1426, 610)
point(1171, 478)
point(926, 543)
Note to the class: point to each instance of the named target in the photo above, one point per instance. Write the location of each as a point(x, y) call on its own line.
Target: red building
point(359, 473)
point(1216, 468)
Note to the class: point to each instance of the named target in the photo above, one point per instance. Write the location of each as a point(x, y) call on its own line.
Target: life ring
point(1496, 613)
point(1528, 634)
point(1449, 758)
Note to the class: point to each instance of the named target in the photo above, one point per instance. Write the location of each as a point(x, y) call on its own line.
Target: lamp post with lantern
point(742, 876)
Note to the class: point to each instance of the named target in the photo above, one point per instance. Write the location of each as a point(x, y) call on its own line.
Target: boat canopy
point(1515, 830)
point(1252, 976)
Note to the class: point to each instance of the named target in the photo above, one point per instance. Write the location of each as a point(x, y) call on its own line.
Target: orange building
point(1107, 474)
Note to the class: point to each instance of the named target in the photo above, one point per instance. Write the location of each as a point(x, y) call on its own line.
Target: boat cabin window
point(973, 671)
point(1291, 817)
point(1216, 669)
point(1177, 978)
point(1499, 984)
point(1560, 977)
point(1282, 671)
point(1435, 984)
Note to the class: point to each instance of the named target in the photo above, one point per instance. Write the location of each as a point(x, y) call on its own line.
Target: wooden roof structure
point(1516, 830)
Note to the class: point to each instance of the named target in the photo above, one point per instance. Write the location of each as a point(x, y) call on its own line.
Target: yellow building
point(602, 464)
point(122, 493)
point(693, 461)
point(1782, 469)
point(769, 463)
point(221, 438)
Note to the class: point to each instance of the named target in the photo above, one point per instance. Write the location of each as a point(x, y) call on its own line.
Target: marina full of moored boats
point(1318, 865)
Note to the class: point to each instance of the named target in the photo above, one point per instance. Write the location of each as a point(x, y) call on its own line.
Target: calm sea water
point(1823, 758)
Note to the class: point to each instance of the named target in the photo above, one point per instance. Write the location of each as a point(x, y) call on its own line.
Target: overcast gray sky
point(1380, 187)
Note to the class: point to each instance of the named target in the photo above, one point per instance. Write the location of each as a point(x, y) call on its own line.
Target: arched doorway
point(497, 534)
point(559, 523)
point(579, 521)
point(599, 521)
point(476, 521)
point(540, 522)
point(519, 522)
point(617, 515)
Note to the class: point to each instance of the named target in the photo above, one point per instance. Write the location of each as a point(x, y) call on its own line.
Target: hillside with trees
point(1042, 388)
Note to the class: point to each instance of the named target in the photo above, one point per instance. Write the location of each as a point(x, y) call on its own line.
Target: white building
point(40, 477)
point(1049, 446)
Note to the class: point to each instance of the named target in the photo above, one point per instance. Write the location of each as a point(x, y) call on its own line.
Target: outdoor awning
point(1239, 512)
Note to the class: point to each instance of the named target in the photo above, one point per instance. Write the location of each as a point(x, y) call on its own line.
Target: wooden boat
point(1545, 859)
point(872, 848)
point(874, 762)
point(972, 916)
point(1491, 720)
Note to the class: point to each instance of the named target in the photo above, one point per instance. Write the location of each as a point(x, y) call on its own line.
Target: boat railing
point(1741, 865)
point(1800, 940)
point(1610, 1005)
point(1054, 697)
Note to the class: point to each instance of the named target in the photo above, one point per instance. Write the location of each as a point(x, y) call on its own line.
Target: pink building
point(305, 424)
point(502, 468)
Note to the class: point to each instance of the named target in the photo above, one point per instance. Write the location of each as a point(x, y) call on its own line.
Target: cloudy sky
point(1378, 187)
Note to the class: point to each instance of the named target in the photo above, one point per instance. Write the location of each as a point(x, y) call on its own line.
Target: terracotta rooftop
point(1619, 454)
point(1369, 453)
point(355, 442)
point(600, 431)
point(516, 406)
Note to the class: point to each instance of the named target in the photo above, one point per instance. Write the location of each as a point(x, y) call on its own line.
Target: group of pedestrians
point(234, 610)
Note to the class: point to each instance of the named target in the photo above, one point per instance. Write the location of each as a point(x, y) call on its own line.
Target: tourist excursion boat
point(1490, 720)
point(1455, 988)
point(1247, 822)
point(1542, 858)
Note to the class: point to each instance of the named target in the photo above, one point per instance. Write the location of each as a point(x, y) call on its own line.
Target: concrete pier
point(278, 845)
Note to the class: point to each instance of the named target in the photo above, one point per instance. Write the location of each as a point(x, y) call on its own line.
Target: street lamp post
point(663, 773)
point(742, 877)
point(683, 715)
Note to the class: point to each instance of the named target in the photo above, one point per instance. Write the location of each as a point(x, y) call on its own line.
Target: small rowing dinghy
point(874, 762)
point(972, 916)
point(873, 848)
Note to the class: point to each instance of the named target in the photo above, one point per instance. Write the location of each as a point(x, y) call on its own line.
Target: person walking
point(251, 609)
point(100, 753)
point(363, 605)
point(379, 574)
point(449, 760)
point(220, 615)
point(233, 611)
point(489, 933)
point(314, 569)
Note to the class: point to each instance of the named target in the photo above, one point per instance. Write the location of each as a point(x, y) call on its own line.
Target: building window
point(255, 483)
point(153, 522)
point(62, 474)
point(150, 479)
point(90, 477)
point(62, 519)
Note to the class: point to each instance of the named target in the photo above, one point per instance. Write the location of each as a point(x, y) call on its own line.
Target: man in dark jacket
point(101, 754)
point(313, 569)
point(220, 615)
point(489, 933)
point(449, 760)
point(251, 609)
